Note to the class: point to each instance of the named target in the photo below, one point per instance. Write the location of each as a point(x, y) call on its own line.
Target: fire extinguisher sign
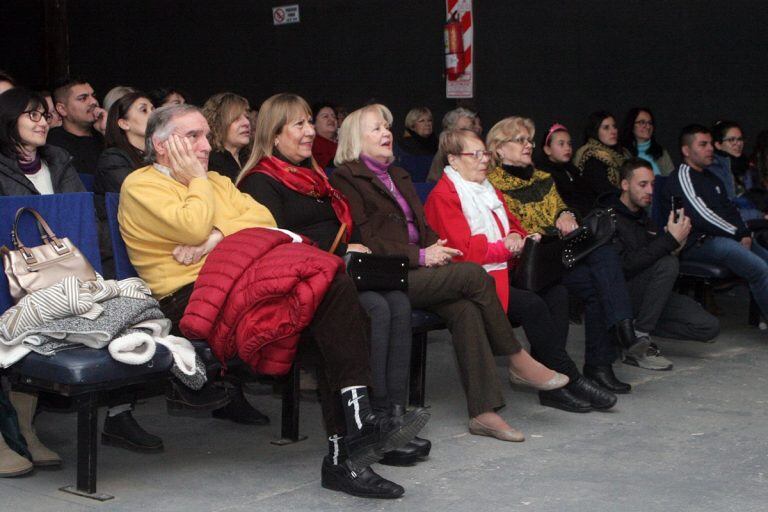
point(459, 39)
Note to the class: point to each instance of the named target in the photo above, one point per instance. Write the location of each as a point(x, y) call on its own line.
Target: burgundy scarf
point(310, 182)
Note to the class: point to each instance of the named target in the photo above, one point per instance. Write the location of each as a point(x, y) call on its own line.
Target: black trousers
point(544, 318)
point(340, 332)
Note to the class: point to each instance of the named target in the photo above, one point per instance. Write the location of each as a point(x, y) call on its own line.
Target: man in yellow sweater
point(173, 213)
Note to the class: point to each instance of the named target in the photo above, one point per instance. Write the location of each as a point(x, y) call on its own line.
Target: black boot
point(122, 430)
point(625, 333)
point(564, 400)
point(183, 401)
point(597, 397)
point(416, 449)
point(240, 410)
point(605, 378)
point(338, 474)
point(369, 435)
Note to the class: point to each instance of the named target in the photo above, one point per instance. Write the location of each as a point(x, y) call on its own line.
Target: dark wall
point(550, 60)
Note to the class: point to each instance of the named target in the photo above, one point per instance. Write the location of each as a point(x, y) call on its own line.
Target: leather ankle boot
point(424, 446)
point(240, 410)
point(123, 431)
point(604, 377)
point(25, 405)
point(365, 483)
point(370, 435)
point(625, 333)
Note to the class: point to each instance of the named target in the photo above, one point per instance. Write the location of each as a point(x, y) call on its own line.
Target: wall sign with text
point(285, 14)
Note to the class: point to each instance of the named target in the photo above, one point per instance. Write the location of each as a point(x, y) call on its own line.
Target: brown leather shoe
point(479, 429)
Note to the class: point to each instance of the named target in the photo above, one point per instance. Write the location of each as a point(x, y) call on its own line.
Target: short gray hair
point(160, 125)
point(452, 117)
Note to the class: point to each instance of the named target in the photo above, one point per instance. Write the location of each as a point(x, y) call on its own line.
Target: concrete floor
point(693, 439)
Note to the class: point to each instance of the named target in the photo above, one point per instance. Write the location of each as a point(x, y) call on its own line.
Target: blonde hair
point(413, 115)
point(506, 130)
point(276, 112)
point(221, 110)
point(351, 133)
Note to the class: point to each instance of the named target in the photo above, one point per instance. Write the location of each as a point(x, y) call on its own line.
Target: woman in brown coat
point(390, 220)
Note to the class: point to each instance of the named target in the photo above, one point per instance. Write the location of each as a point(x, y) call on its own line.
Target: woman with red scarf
point(282, 175)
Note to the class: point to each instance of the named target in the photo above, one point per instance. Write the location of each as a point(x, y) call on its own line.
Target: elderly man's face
point(194, 128)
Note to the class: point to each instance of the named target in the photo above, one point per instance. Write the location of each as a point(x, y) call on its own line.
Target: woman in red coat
point(465, 209)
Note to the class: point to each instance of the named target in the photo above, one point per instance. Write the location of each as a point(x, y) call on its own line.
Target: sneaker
point(651, 360)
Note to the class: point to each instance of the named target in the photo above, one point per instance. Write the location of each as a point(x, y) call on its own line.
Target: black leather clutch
point(596, 230)
point(377, 273)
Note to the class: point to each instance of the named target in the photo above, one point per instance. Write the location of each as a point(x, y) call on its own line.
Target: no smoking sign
point(285, 14)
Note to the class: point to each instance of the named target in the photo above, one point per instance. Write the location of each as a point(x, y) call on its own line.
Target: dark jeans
point(599, 281)
point(544, 318)
point(661, 311)
point(464, 295)
point(339, 329)
point(390, 314)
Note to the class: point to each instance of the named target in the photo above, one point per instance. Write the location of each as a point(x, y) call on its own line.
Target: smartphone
point(677, 204)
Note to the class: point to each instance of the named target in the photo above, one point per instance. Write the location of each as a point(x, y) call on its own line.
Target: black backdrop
point(550, 60)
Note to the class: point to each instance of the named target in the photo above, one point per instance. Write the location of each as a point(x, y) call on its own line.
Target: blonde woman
point(228, 117)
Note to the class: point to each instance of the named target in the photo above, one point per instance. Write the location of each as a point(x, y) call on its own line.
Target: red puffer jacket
point(255, 294)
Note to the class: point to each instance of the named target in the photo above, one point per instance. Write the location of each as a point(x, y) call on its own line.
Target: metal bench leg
point(417, 387)
point(87, 450)
point(289, 428)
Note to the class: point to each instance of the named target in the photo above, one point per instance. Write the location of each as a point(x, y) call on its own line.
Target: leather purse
point(540, 264)
point(596, 230)
point(377, 273)
point(373, 272)
point(33, 268)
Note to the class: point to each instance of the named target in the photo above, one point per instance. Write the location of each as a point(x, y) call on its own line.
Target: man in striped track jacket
point(719, 235)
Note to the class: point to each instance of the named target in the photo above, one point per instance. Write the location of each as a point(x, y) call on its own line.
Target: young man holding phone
point(650, 264)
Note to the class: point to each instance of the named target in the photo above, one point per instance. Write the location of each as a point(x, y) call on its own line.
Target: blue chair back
point(123, 266)
point(69, 215)
point(658, 210)
point(423, 190)
point(416, 165)
point(87, 180)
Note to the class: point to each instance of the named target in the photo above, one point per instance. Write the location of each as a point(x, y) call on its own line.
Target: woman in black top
point(124, 140)
point(228, 117)
point(557, 150)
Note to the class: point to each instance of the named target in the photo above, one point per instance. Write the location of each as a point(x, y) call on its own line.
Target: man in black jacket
point(649, 261)
point(718, 234)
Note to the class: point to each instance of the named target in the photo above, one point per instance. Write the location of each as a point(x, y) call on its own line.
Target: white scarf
point(479, 202)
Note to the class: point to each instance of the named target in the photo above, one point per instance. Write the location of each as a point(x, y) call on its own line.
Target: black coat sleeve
point(595, 177)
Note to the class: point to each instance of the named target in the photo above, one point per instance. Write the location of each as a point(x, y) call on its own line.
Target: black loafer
point(597, 397)
point(240, 410)
point(123, 431)
point(364, 484)
point(564, 400)
point(604, 377)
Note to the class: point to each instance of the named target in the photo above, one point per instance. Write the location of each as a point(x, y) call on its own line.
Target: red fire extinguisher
point(454, 47)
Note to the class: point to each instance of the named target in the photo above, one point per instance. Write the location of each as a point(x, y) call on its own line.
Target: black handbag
point(373, 272)
point(596, 230)
point(377, 273)
point(540, 264)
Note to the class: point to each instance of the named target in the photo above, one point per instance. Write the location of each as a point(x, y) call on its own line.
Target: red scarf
point(310, 182)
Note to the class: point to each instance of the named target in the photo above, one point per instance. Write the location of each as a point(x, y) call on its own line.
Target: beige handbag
point(33, 268)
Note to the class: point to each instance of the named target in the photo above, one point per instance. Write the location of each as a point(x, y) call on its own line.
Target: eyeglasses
point(35, 115)
point(522, 141)
point(733, 140)
point(478, 155)
point(644, 122)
